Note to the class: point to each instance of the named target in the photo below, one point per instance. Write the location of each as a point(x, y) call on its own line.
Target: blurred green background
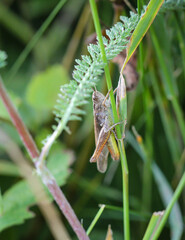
point(34, 85)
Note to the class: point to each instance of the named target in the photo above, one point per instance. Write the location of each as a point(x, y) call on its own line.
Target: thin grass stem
point(20, 60)
point(98, 215)
point(176, 195)
point(124, 166)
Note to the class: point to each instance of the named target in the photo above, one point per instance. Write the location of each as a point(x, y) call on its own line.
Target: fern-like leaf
point(86, 74)
point(89, 69)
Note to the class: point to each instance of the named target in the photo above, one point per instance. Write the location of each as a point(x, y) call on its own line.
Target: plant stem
point(125, 195)
point(43, 172)
point(18, 123)
point(147, 175)
point(118, 131)
point(176, 195)
point(25, 169)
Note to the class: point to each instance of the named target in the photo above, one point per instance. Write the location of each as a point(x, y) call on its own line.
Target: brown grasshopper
point(103, 128)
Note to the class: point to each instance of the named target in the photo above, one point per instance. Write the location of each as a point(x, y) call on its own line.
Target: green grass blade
point(181, 40)
point(34, 40)
point(142, 27)
point(165, 191)
point(99, 213)
point(154, 221)
point(171, 204)
point(166, 76)
point(168, 84)
point(168, 131)
point(15, 24)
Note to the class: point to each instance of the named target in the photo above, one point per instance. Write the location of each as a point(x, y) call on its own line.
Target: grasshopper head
point(97, 97)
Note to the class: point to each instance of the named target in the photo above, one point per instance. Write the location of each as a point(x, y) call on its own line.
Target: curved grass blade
point(90, 228)
point(154, 221)
point(142, 27)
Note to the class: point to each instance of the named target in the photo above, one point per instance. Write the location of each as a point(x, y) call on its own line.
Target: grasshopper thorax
point(101, 107)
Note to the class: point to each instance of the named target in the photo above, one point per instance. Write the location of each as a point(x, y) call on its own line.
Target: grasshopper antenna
point(103, 103)
point(94, 89)
point(115, 90)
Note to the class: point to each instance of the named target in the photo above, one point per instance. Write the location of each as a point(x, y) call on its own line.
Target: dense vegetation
point(41, 47)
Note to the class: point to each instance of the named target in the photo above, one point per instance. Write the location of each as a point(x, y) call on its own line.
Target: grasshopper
point(104, 134)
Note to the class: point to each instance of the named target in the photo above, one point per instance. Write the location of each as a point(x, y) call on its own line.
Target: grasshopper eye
point(93, 97)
